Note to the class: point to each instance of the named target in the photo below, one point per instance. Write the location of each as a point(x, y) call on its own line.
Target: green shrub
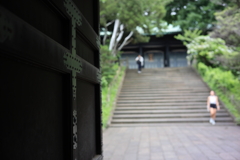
point(213, 52)
point(207, 50)
point(109, 96)
point(226, 86)
point(108, 65)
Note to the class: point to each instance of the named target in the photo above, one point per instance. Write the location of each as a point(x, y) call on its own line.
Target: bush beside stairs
point(164, 96)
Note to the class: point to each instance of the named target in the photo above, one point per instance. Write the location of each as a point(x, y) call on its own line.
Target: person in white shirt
point(213, 106)
point(139, 59)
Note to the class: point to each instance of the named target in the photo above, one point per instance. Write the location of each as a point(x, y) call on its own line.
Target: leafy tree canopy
point(227, 2)
point(193, 14)
point(145, 14)
point(205, 49)
point(228, 26)
point(214, 53)
point(188, 36)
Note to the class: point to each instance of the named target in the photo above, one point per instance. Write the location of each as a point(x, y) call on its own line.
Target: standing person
point(139, 59)
point(213, 106)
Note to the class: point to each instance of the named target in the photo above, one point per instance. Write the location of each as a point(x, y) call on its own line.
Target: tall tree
point(125, 19)
point(228, 29)
point(228, 26)
point(227, 2)
point(193, 14)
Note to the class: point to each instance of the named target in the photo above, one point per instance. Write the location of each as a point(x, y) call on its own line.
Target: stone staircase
point(164, 96)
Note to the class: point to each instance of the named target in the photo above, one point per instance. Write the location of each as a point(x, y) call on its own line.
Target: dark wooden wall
point(50, 91)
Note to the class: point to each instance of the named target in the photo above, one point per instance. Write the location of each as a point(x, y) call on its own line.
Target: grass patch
point(109, 96)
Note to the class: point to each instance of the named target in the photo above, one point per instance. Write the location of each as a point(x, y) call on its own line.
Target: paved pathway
point(173, 142)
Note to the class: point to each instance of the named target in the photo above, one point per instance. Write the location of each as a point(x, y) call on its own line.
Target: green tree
point(123, 17)
point(215, 53)
point(193, 14)
point(228, 26)
point(207, 50)
point(228, 29)
point(188, 35)
point(227, 2)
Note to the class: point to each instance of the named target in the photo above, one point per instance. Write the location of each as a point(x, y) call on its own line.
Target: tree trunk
point(114, 35)
point(106, 30)
point(120, 35)
point(125, 42)
point(105, 35)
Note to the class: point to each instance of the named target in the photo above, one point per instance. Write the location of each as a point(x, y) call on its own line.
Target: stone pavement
point(172, 142)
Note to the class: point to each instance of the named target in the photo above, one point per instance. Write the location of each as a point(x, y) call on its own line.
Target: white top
point(213, 99)
point(140, 59)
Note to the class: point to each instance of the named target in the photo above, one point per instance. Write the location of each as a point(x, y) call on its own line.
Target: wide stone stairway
point(164, 96)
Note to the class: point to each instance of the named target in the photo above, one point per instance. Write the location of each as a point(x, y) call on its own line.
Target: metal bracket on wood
point(74, 129)
point(71, 60)
point(74, 64)
point(73, 11)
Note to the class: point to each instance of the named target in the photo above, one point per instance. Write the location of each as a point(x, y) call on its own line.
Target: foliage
point(123, 17)
point(227, 2)
point(228, 29)
point(213, 52)
point(146, 14)
point(109, 82)
point(109, 95)
point(231, 63)
point(190, 15)
point(225, 84)
point(228, 26)
point(188, 36)
point(108, 65)
point(205, 49)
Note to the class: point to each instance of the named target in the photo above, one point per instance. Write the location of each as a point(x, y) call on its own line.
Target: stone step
point(160, 85)
point(154, 116)
point(164, 96)
point(162, 104)
point(163, 90)
point(161, 101)
point(182, 111)
point(172, 124)
point(162, 93)
point(161, 108)
point(146, 75)
point(160, 72)
point(167, 87)
point(171, 120)
point(163, 78)
point(161, 97)
point(161, 81)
